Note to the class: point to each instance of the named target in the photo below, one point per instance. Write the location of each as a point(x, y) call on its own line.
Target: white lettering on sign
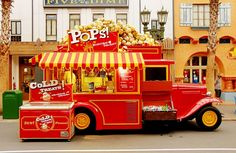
point(44, 119)
point(90, 35)
point(44, 84)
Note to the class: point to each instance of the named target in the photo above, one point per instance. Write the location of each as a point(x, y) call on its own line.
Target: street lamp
point(145, 19)
point(157, 34)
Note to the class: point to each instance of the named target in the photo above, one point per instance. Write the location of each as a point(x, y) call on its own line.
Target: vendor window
point(92, 80)
point(97, 80)
point(156, 73)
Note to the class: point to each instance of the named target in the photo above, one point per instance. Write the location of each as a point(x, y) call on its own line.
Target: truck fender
point(94, 110)
point(200, 104)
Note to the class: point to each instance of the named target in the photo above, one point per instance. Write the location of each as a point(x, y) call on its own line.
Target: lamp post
point(145, 19)
point(157, 34)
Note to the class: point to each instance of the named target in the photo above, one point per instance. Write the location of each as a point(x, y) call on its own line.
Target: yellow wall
point(184, 51)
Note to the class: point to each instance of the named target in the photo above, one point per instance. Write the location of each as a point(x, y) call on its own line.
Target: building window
point(122, 17)
point(195, 70)
point(195, 61)
point(97, 16)
point(204, 61)
point(224, 18)
point(203, 40)
point(198, 15)
point(15, 30)
point(185, 14)
point(201, 15)
point(74, 20)
point(224, 40)
point(155, 24)
point(51, 27)
point(184, 40)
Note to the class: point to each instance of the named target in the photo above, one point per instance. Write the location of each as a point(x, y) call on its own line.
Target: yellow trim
point(166, 66)
point(142, 60)
point(88, 59)
point(112, 59)
point(48, 60)
point(104, 58)
point(127, 60)
point(115, 80)
point(81, 55)
point(72, 60)
point(56, 59)
point(138, 80)
point(95, 60)
point(119, 60)
point(129, 100)
point(135, 60)
point(63, 62)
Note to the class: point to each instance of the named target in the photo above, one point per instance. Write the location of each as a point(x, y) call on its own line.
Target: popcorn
point(128, 35)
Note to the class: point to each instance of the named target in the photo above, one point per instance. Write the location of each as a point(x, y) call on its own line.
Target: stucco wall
point(184, 51)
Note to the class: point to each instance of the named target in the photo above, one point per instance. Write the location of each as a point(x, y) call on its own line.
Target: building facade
point(191, 25)
point(38, 25)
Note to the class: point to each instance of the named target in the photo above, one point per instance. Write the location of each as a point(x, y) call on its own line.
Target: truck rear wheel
point(209, 118)
point(84, 121)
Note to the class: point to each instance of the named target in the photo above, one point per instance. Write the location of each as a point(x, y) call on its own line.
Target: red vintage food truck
point(90, 85)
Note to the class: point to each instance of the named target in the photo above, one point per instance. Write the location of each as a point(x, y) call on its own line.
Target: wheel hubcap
point(82, 121)
point(209, 118)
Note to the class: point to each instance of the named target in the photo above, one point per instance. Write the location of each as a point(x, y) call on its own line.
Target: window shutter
point(185, 14)
point(224, 17)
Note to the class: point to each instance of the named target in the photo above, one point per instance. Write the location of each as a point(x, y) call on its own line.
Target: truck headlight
point(208, 94)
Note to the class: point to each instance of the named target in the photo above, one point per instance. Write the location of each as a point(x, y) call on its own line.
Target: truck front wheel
point(84, 121)
point(209, 118)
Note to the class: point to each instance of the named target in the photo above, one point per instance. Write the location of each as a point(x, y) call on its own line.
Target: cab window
point(156, 73)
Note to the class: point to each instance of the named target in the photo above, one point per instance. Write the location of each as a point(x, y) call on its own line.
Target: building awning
point(35, 59)
point(91, 59)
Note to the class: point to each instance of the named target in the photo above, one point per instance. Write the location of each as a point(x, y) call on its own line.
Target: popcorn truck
point(92, 83)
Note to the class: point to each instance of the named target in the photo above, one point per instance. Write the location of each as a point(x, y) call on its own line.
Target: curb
point(228, 119)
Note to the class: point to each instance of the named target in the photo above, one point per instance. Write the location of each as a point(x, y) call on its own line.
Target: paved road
point(183, 138)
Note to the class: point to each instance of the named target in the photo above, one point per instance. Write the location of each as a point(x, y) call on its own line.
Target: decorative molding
point(229, 78)
point(31, 48)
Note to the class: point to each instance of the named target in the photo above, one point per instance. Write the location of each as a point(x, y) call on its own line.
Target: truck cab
point(165, 100)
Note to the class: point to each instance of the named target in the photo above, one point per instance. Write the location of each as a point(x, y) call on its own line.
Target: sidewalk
point(228, 111)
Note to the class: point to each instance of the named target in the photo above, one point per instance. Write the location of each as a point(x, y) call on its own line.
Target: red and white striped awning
point(35, 59)
point(91, 59)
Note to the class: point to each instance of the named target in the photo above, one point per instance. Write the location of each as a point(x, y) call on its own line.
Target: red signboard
point(93, 40)
point(53, 91)
point(127, 80)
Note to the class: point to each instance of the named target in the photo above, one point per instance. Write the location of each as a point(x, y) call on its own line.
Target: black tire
point(84, 121)
point(209, 118)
